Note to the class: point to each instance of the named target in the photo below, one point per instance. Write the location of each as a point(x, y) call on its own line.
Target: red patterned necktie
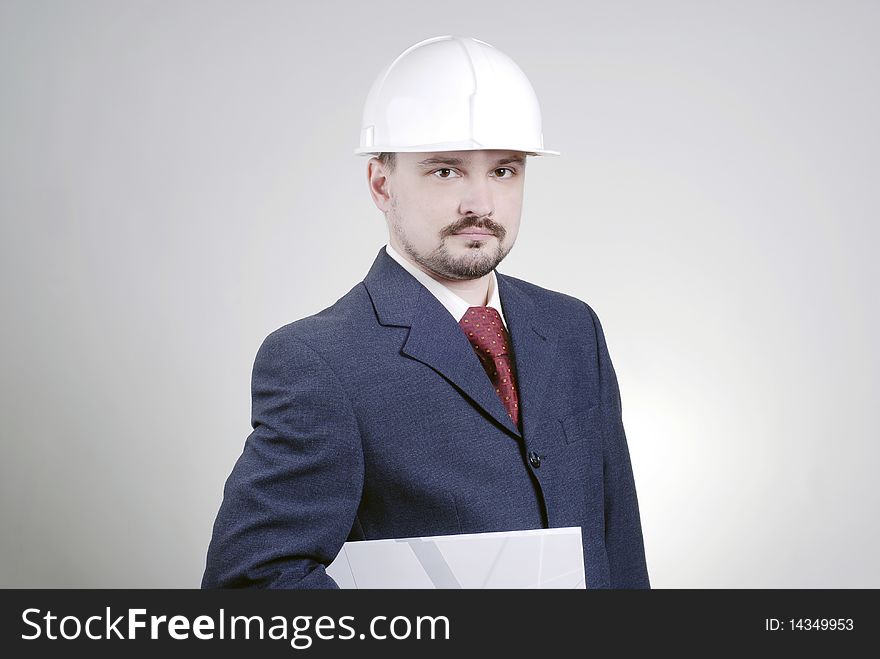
point(486, 332)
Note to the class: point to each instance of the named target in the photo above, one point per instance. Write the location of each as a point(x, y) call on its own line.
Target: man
point(438, 396)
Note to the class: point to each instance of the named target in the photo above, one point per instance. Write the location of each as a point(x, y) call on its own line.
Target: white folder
point(541, 558)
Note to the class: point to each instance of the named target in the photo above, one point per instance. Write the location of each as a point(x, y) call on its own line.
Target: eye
point(505, 169)
point(444, 169)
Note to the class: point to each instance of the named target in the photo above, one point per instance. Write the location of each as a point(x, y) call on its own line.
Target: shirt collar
point(454, 303)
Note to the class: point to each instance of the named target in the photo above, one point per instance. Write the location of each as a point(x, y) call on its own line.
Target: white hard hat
point(452, 94)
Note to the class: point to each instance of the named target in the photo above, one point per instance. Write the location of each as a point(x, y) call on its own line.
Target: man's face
point(456, 213)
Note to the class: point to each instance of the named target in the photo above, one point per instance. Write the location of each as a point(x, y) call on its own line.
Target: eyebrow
point(458, 162)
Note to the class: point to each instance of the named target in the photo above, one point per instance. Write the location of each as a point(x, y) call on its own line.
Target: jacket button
point(534, 459)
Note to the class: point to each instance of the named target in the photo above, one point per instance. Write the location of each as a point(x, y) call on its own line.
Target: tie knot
point(485, 331)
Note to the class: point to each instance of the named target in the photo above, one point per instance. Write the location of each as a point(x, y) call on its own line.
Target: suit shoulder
point(326, 327)
point(555, 301)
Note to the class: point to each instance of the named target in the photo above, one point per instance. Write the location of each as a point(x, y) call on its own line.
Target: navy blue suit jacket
point(375, 419)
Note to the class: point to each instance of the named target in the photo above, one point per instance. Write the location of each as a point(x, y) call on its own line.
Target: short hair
point(388, 161)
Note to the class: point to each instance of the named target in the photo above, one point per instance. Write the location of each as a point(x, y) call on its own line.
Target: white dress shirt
point(456, 305)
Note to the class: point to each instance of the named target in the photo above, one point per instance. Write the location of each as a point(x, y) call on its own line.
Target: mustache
point(475, 223)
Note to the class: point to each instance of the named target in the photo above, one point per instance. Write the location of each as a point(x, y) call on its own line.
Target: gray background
point(178, 181)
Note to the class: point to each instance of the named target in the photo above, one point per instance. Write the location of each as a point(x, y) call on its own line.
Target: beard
point(479, 259)
point(477, 262)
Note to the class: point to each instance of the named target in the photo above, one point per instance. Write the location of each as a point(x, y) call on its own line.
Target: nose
point(477, 197)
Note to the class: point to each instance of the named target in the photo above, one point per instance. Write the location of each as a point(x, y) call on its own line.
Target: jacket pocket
point(579, 427)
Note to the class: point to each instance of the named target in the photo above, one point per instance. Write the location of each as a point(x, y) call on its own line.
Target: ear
point(379, 183)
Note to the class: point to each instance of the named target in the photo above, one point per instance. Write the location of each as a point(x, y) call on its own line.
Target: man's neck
point(473, 291)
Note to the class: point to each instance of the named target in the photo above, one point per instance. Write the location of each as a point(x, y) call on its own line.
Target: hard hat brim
point(435, 148)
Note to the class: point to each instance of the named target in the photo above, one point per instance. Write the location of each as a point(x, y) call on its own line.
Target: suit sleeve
point(292, 497)
point(623, 531)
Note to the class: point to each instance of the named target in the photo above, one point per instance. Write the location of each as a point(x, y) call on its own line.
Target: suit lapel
point(436, 339)
point(534, 341)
